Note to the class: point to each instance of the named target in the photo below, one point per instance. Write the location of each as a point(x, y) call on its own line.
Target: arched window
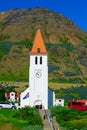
point(41, 60)
point(38, 50)
point(35, 60)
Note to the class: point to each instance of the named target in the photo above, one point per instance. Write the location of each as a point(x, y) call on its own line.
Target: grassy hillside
point(67, 62)
point(18, 24)
point(24, 119)
point(65, 42)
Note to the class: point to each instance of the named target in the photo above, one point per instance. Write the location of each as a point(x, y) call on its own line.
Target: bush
point(70, 119)
point(4, 48)
point(33, 127)
point(72, 93)
point(4, 37)
point(30, 114)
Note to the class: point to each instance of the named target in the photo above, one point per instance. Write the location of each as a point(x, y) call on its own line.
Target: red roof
point(82, 100)
point(38, 45)
point(16, 95)
point(7, 94)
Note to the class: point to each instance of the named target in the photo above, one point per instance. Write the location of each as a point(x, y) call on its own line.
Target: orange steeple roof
point(38, 45)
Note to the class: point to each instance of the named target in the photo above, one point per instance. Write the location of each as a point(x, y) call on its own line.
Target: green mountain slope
point(65, 42)
point(67, 63)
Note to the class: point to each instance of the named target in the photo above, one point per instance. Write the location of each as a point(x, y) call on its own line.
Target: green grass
point(6, 116)
point(23, 119)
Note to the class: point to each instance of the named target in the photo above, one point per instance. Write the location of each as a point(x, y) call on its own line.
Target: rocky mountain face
point(65, 42)
point(23, 23)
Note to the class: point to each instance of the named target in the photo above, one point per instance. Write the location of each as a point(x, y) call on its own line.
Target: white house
point(37, 92)
point(59, 102)
point(12, 96)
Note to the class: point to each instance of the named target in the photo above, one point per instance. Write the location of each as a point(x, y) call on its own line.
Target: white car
point(7, 105)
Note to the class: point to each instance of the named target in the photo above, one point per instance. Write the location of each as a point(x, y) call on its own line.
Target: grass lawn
point(8, 122)
point(23, 119)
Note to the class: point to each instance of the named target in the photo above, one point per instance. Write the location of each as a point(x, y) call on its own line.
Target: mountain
point(65, 42)
point(18, 24)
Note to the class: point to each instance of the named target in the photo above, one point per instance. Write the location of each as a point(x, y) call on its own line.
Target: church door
point(38, 104)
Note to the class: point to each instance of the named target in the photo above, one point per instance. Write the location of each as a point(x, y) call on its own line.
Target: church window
point(38, 50)
point(35, 60)
point(40, 60)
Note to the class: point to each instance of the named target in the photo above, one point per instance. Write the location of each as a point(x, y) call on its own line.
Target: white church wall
point(45, 87)
point(39, 85)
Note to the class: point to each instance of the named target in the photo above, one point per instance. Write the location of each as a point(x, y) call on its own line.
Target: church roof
point(38, 45)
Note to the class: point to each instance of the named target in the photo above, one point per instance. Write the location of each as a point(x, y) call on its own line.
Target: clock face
point(38, 73)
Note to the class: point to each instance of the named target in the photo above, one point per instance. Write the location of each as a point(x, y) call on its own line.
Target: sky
point(76, 10)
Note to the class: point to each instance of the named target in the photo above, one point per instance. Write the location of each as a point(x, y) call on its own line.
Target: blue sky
point(76, 10)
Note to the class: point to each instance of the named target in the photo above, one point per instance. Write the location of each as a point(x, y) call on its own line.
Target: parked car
point(4, 104)
point(17, 106)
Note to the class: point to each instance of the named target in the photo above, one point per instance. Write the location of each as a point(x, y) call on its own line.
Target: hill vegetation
point(72, 93)
point(24, 119)
point(70, 119)
point(67, 62)
point(65, 42)
point(18, 24)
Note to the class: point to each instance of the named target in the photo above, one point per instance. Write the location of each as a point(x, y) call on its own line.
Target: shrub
point(33, 127)
point(4, 37)
point(5, 48)
point(72, 93)
point(70, 119)
point(24, 42)
point(30, 114)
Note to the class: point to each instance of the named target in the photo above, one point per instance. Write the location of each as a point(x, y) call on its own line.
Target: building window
point(35, 60)
point(40, 60)
point(38, 50)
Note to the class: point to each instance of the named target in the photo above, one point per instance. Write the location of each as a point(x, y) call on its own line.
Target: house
point(12, 96)
point(59, 102)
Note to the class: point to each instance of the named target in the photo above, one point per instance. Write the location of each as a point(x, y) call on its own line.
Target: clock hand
point(37, 73)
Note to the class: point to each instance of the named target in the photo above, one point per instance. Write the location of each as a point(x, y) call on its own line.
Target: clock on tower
point(38, 73)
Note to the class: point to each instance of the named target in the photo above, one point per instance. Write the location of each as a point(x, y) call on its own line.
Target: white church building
point(38, 94)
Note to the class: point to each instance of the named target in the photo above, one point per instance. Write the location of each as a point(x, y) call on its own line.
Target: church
point(38, 94)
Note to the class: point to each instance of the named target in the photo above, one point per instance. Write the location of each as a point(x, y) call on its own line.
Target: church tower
point(38, 73)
